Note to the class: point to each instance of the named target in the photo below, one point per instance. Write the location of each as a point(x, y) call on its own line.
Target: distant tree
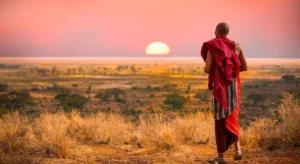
point(58, 89)
point(175, 100)
point(133, 69)
point(288, 78)
point(73, 101)
point(53, 71)
point(3, 87)
point(256, 97)
point(16, 100)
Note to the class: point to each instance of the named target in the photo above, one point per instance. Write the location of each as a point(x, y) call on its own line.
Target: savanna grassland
point(105, 110)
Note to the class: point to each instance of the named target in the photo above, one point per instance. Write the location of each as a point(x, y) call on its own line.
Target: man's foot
point(217, 160)
point(238, 156)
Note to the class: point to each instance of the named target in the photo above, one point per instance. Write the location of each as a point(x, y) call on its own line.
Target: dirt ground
point(184, 154)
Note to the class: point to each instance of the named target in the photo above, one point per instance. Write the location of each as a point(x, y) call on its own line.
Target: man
point(224, 61)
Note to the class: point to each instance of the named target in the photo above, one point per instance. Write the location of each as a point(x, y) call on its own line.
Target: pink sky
point(265, 28)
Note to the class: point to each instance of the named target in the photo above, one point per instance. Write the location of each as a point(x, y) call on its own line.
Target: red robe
point(225, 66)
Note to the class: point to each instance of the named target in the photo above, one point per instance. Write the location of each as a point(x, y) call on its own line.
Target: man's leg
point(221, 139)
point(238, 152)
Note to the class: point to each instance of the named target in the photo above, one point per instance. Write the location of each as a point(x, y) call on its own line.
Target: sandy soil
point(192, 154)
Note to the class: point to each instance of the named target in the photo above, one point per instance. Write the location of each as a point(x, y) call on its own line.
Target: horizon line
point(136, 57)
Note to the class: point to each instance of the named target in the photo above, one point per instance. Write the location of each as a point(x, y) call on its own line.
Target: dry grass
point(52, 132)
point(65, 136)
point(15, 133)
point(270, 133)
point(100, 129)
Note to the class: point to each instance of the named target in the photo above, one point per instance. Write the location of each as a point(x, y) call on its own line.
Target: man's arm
point(242, 58)
point(208, 62)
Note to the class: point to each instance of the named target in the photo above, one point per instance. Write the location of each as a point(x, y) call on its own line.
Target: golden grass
point(100, 128)
point(63, 135)
point(272, 133)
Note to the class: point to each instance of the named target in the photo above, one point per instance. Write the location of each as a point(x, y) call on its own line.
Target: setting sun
point(157, 48)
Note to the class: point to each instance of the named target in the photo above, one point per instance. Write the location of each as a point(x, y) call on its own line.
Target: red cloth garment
point(225, 66)
point(227, 129)
point(232, 123)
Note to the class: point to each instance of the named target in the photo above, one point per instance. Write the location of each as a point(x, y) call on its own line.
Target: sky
point(124, 28)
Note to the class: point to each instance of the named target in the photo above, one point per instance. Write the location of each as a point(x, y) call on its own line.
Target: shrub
point(16, 100)
point(203, 95)
point(113, 92)
point(288, 78)
point(256, 97)
point(59, 89)
point(73, 101)
point(295, 92)
point(3, 87)
point(282, 131)
point(175, 100)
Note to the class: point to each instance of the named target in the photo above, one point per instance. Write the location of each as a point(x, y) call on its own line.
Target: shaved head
point(222, 29)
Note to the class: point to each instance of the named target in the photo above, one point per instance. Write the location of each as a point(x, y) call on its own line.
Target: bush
point(282, 131)
point(16, 100)
point(175, 100)
point(288, 78)
point(73, 101)
point(134, 87)
point(59, 89)
point(256, 97)
point(3, 87)
point(203, 95)
point(295, 92)
point(114, 92)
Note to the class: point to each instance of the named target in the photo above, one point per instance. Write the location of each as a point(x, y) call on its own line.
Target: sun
point(157, 48)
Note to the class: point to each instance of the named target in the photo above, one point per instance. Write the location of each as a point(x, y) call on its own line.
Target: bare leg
point(237, 147)
point(238, 152)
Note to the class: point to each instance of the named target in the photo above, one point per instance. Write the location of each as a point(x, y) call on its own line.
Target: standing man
point(224, 62)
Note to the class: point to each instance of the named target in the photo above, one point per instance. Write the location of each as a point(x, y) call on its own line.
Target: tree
point(3, 87)
point(73, 101)
point(175, 100)
point(53, 71)
point(256, 97)
point(133, 69)
point(288, 78)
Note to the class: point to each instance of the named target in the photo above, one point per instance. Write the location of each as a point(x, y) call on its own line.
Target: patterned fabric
point(225, 66)
point(232, 102)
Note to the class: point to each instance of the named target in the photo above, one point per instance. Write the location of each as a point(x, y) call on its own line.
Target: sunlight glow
point(157, 48)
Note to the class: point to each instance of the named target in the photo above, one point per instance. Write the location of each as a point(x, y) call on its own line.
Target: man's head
point(222, 29)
